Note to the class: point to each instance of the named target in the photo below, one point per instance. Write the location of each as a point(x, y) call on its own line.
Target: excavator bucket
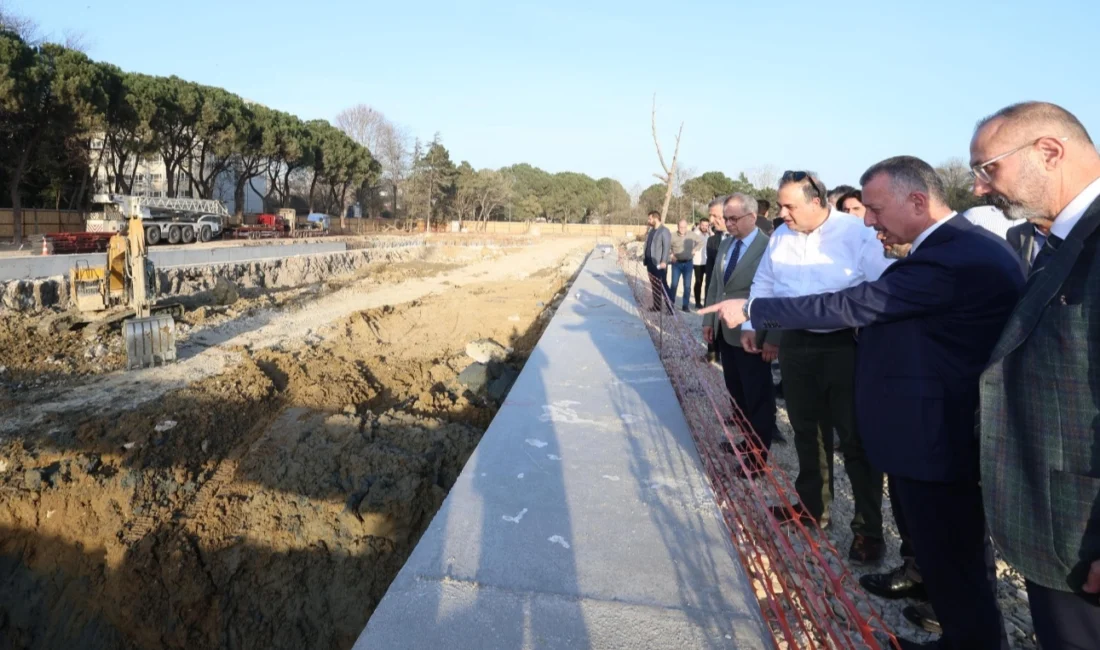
point(150, 341)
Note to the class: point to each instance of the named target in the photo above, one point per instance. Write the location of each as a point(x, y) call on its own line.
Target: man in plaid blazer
point(1040, 397)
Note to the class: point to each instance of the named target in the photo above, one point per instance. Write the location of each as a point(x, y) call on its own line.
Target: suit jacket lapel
point(1042, 288)
point(748, 257)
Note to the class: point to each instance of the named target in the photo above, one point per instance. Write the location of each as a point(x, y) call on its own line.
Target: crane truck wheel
point(188, 234)
point(174, 235)
point(152, 235)
point(204, 234)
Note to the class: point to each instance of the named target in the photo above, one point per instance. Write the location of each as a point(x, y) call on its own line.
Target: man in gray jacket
point(748, 376)
point(658, 248)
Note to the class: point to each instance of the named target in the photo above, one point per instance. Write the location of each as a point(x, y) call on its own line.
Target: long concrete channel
point(45, 266)
point(583, 519)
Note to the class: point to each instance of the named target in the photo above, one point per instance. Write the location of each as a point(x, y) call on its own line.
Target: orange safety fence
point(807, 594)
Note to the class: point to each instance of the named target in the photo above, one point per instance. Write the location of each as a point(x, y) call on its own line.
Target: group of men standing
point(963, 368)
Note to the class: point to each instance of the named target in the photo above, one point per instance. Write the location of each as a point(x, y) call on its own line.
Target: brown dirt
point(276, 509)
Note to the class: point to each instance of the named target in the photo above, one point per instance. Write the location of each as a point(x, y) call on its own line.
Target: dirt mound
point(266, 507)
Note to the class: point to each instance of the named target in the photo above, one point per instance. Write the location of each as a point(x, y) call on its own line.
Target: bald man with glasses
point(819, 249)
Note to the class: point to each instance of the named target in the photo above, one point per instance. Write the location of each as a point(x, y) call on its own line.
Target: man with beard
point(1040, 406)
point(928, 326)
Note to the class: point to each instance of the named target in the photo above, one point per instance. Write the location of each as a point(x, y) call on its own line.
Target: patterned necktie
point(733, 262)
point(1045, 253)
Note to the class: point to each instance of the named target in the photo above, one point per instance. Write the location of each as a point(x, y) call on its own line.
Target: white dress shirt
point(839, 254)
point(745, 243)
point(1038, 240)
point(990, 218)
point(929, 230)
point(1072, 213)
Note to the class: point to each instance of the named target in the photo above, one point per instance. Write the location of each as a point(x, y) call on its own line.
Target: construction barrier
point(807, 593)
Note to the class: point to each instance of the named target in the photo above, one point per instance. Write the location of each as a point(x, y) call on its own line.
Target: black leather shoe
point(923, 617)
point(894, 584)
point(866, 550)
point(906, 644)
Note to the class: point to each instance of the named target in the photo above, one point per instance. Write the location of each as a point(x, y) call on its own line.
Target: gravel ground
point(1010, 592)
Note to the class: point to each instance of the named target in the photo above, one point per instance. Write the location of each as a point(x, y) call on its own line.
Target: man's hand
point(732, 312)
point(708, 335)
point(1092, 582)
point(662, 266)
point(748, 342)
point(770, 352)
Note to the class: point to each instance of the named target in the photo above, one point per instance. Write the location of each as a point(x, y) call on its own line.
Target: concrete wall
point(583, 518)
point(43, 293)
point(44, 266)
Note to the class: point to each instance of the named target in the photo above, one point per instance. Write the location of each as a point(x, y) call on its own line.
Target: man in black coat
point(927, 328)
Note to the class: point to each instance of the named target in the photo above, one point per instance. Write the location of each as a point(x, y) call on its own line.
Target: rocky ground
point(265, 490)
point(1011, 594)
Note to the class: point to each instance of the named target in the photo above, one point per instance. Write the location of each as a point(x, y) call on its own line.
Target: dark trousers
point(1063, 620)
point(906, 550)
point(708, 270)
point(700, 280)
point(681, 270)
point(658, 283)
point(819, 386)
point(749, 382)
point(947, 524)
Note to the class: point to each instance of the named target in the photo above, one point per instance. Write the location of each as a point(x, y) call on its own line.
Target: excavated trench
point(266, 507)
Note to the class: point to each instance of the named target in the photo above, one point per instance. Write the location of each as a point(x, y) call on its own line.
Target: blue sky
point(567, 85)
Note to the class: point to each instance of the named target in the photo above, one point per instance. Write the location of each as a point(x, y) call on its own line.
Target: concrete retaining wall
point(47, 266)
point(43, 293)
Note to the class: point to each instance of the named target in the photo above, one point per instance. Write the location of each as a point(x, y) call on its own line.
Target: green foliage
point(54, 101)
point(652, 198)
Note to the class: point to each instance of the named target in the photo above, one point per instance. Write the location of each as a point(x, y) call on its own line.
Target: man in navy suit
point(928, 327)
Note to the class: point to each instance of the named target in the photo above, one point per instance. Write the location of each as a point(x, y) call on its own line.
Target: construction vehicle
point(124, 289)
point(171, 220)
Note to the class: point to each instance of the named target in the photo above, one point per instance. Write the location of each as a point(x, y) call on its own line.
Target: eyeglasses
point(737, 217)
point(798, 177)
point(981, 173)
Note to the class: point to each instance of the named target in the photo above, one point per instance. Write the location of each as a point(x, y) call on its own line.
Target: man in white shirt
point(819, 249)
point(990, 218)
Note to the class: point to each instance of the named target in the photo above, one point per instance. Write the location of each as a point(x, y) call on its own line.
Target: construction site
point(264, 489)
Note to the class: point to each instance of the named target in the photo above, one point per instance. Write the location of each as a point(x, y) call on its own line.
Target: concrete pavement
point(583, 519)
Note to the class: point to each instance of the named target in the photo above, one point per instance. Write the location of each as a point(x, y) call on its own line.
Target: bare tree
point(77, 40)
point(24, 27)
point(362, 124)
point(669, 177)
point(394, 156)
point(763, 176)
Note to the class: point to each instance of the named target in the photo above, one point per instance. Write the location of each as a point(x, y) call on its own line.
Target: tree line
point(67, 120)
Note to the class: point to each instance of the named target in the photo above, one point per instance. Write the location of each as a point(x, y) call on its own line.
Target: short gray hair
point(747, 203)
point(717, 202)
point(909, 174)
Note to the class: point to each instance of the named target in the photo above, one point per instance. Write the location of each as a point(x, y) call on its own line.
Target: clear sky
point(567, 85)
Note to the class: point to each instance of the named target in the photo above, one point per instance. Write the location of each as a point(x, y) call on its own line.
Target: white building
point(149, 180)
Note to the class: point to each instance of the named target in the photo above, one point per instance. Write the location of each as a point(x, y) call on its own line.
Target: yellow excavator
point(124, 289)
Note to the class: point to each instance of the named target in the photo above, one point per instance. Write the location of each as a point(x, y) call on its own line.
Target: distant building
point(150, 180)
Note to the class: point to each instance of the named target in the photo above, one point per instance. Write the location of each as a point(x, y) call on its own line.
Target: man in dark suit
point(658, 248)
point(928, 327)
point(763, 221)
point(718, 234)
point(1027, 239)
point(748, 377)
point(1040, 397)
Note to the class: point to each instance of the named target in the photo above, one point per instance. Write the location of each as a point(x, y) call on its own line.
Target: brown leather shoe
point(784, 514)
point(867, 550)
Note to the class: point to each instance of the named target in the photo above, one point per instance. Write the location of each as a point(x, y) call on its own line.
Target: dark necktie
point(1045, 253)
point(733, 262)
